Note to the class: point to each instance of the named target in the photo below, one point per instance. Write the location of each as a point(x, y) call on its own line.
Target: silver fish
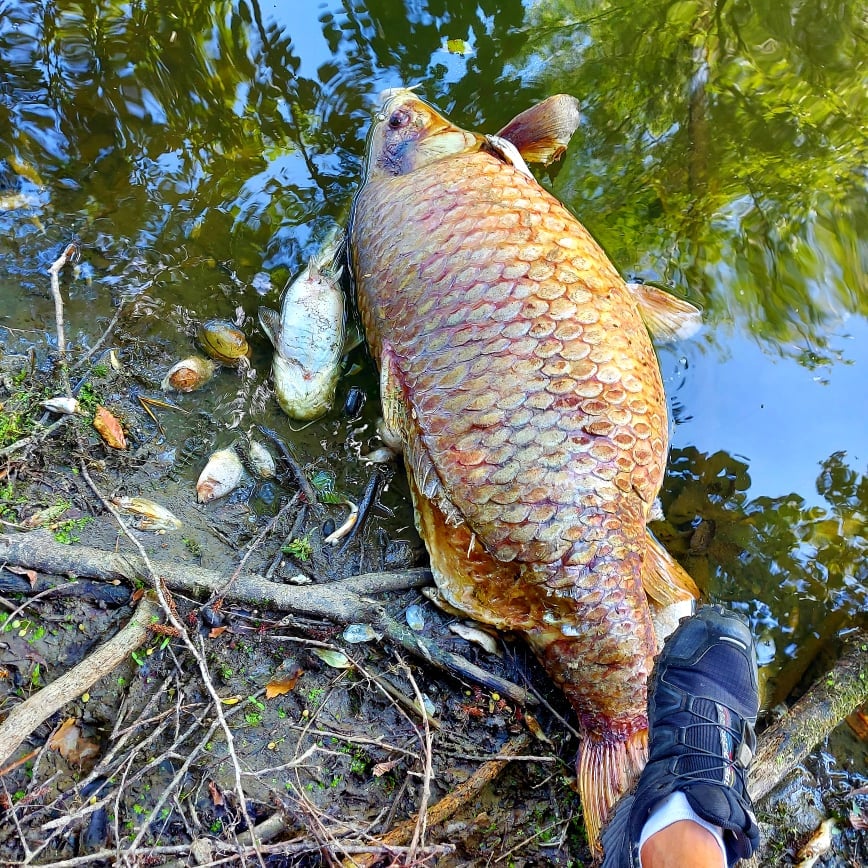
point(308, 335)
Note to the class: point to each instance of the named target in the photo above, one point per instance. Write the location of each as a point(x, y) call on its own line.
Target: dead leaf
point(214, 632)
point(69, 742)
point(137, 595)
point(109, 428)
point(216, 795)
point(283, 685)
point(23, 571)
point(335, 659)
point(535, 728)
point(858, 820)
point(382, 768)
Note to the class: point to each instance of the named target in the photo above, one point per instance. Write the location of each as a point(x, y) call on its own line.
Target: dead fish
point(62, 405)
point(308, 336)
point(261, 460)
point(189, 374)
point(149, 515)
point(517, 372)
point(221, 475)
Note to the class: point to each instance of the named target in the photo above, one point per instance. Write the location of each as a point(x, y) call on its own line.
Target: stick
point(340, 601)
point(24, 718)
point(70, 254)
point(451, 802)
point(828, 701)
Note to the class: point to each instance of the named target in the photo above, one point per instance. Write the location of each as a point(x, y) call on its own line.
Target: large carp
point(519, 376)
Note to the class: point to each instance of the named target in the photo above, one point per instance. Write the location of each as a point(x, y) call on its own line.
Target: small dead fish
point(337, 535)
point(189, 374)
point(221, 475)
point(818, 844)
point(358, 633)
point(261, 460)
point(473, 634)
point(64, 406)
point(149, 515)
point(308, 336)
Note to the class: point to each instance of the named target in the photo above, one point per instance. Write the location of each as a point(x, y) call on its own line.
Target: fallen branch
point(827, 702)
point(24, 718)
point(342, 602)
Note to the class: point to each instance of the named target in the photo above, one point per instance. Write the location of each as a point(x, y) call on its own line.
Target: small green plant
point(314, 695)
point(299, 548)
point(65, 532)
point(88, 398)
point(193, 547)
point(99, 370)
point(216, 827)
point(138, 809)
point(18, 795)
point(253, 718)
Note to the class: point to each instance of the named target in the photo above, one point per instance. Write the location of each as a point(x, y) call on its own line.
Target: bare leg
point(684, 844)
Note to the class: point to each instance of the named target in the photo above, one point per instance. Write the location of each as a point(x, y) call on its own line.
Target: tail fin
point(606, 770)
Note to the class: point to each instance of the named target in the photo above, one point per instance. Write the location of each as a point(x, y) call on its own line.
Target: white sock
point(673, 808)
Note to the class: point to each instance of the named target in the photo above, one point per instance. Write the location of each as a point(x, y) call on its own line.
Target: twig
point(102, 339)
point(34, 439)
point(24, 718)
point(70, 254)
point(451, 802)
point(422, 814)
point(251, 548)
point(198, 656)
point(289, 458)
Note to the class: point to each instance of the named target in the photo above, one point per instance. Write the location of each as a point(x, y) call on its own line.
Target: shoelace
point(734, 761)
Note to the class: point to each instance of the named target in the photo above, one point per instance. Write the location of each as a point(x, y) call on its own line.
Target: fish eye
point(399, 118)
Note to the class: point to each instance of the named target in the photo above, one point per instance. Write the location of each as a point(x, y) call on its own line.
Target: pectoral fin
point(665, 581)
point(542, 132)
point(270, 321)
point(668, 318)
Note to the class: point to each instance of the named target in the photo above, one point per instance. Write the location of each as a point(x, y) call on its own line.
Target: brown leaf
point(214, 632)
point(216, 795)
point(69, 742)
point(381, 768)
point(108, 427)
point(23, 571)
point(535, 728)
point(137, 595)
point(284, 685)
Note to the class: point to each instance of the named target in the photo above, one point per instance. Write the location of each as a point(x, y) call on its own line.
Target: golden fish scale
point(533, 382)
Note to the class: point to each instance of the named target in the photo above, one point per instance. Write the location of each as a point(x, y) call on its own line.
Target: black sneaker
point(702, 706)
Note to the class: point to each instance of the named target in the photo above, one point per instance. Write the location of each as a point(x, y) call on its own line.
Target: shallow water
point(198, 151)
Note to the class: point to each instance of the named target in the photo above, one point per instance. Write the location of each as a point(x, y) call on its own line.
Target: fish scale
point(519, 375)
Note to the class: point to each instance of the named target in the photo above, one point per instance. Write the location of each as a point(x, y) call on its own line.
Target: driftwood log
point(780, 747)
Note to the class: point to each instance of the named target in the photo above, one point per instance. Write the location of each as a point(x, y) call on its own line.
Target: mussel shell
point(223, 341)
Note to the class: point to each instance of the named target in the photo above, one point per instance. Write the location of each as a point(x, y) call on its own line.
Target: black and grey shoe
point(702, 706)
